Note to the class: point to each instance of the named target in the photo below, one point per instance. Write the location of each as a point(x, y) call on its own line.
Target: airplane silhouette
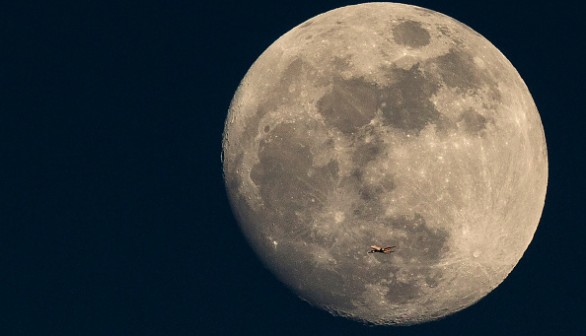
point(385, 250)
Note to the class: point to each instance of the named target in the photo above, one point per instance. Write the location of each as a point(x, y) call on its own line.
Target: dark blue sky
point(112, 200)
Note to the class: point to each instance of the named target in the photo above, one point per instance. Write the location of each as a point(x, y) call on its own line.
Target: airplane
point(385, 250)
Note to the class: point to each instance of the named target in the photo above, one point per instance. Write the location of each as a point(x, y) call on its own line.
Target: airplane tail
point(389, 249)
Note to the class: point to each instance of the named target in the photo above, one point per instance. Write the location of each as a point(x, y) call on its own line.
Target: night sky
point(113, 215)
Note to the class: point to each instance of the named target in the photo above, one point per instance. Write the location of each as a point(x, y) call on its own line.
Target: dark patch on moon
point(331, 284)
point(291, 75)
point(280, 95)
point(472, 122)
point(370, 193)
point(349, 105)
point(421, 243)
point(367, 145)
point(407, 102)
point(433, 278)
point(340, 64)
point(411, 34)
point(288, 180)
point(458, 70)
point(366, 152)
point(367, 205)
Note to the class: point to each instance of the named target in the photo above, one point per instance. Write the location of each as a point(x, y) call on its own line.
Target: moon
point(386, 124)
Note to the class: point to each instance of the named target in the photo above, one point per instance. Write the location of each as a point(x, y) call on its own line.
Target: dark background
point(113, 214)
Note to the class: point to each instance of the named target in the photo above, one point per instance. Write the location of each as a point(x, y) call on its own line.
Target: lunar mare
point(386, 124)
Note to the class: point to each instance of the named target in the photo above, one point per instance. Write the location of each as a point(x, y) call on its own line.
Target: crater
point(411, 34)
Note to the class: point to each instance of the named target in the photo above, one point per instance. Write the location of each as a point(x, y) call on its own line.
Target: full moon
point(392, 125)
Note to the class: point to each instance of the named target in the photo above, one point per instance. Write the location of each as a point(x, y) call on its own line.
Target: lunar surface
point(386, 124)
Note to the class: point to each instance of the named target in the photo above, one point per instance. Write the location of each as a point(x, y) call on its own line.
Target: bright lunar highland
point(386, 124)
